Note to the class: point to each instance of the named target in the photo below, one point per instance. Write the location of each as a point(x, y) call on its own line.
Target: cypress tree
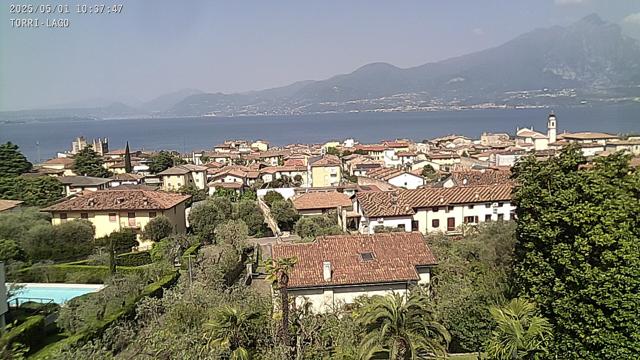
point(127, 160)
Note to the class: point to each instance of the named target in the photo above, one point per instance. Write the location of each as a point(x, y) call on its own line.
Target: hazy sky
point(155, 47)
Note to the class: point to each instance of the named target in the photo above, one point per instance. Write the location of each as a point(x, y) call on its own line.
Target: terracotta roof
point(481, 177)
point(295, 162)
point(9, 204)
point(395, 258)
point(327, 160)
point(182, 169)
point(285, 168)
point(120, 200)
point(403, 202)
point(587, 135)
point(443, 156)
point(226, 185)
point(82, 180)
point(376, 148)
point(126, 176)
point(385, 173)
point(321, 200)
point(59, 161)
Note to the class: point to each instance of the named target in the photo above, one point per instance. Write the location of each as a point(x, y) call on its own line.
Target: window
point(132, 219)
point(84, 215)
point(500, 204)
point(415, 226)
point(449, 208)
point(63, 216)
point(500, 217)
point(436, 209)
point(152, 214)
point(470, 219)
point(366, 256)
point(487, 217)
point(401, 226)
point(112, 217)
point(488, 205)
point(470, 206)
point(435, 223)
point(451, 224)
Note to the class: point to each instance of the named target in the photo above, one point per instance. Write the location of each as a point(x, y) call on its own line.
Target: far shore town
point(434, 185)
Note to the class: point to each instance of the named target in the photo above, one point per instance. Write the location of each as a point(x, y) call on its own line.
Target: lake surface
point(186, 134)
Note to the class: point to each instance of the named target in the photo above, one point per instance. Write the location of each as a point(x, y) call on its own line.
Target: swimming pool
point(58, 293)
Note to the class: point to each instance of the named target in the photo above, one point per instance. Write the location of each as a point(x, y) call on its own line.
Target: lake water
point(186, 134)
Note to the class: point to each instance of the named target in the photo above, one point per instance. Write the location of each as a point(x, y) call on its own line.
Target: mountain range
point(587, 61)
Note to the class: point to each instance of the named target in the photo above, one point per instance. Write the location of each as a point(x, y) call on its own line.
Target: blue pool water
point(59, 293)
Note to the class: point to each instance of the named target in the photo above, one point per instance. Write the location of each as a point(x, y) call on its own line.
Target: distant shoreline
point(462, 108)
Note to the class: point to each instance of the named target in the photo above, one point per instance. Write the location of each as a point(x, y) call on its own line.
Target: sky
point(155, 47)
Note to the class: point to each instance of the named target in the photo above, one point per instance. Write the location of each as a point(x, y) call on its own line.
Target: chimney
point(326, 270)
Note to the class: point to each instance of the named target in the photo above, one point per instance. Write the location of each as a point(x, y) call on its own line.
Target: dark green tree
point(164, 160)
point(33, 190)
point(88, 163)
point(578, 251)
point(158, 228)
point(67, 241)
point(206, 216)
point(271, 196)
point(12, 161)
point(249, 212)
point(127, 159)
point(284, 214)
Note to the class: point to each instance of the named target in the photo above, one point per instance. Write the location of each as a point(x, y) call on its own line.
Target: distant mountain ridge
point(585, 62)
point(590, 59)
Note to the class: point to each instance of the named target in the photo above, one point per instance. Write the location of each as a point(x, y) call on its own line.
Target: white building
point(434, 209)
point(528, 138)
point(395, 177)
point(335, 270)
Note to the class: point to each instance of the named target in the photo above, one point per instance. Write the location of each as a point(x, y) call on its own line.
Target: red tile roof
point(385, 173)
point(9, 204)
point(395, 258)
point(327, 160)
point(403, 202)
point(59, 161)
point(120, 200)
point(321, 200)
point(481, 177)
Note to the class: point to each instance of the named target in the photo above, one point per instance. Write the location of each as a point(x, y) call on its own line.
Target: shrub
point(158, 228)
point(232, 232)
point(313, 226)
point(69, 240)
point(123, 240)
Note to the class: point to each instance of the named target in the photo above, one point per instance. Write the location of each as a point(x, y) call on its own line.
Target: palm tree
point(398, 329)
point(229, 329)
point(520, 333)
point(278, 273)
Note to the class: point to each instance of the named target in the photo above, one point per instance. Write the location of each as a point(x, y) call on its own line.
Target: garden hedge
point(134, 259)
point(155, 290)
